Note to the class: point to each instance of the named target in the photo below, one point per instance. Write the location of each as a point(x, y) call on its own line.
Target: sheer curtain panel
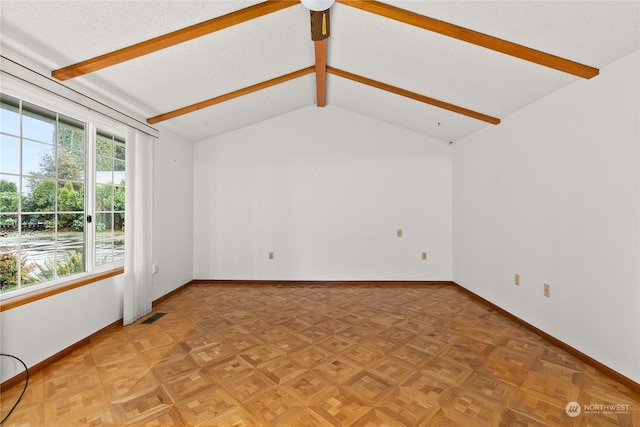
point(138, 264)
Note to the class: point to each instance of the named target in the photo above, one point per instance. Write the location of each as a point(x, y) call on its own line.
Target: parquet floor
point(321, 355)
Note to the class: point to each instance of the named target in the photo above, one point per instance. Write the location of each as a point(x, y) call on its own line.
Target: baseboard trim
point(320, 282)
point(172, 293)
point(628, 382)
point(17, 379)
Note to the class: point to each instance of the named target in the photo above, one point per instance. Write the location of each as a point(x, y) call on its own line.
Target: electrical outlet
point(517, 280)
point(424, 255)
point(270, 255)
point(399, 232)
point(547, 290)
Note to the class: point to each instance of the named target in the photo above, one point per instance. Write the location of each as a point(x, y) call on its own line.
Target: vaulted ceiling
point(365, 49)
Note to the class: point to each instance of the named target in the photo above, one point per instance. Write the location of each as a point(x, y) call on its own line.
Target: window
point(46, 233)
point(110, 168)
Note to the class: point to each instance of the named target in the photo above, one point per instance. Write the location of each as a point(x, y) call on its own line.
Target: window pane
point(118, 199)
point(71, 133)
point(69, 260)
point(38, 159)
point(71, 223)
point(104, 251)
point(104, 170)
point(43, 264)
point(104, 146)
point(9, 258)
point(10, 115)
point(70, 164)
point(71, 248)
point(8, 229)
point(40, 195)
point(120, 152)
point(70, 197)
point(104, 225)
point(118, 165)
point(9, 154)
point(118, 246)
point(104, 197)
point(110, 191)
point(9, 254)
point(38, 123)
point(37, 229)
point(8, 193)
point(118, 221)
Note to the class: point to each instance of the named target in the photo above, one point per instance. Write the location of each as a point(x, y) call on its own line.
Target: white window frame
point(93, 121)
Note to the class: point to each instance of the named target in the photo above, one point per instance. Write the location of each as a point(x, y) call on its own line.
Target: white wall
point(553, 195)
point(36, 331)
point(42, 328)
point(325, 190)
point(172, 213)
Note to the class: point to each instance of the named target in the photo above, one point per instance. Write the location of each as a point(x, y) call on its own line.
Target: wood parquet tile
point(320, 355)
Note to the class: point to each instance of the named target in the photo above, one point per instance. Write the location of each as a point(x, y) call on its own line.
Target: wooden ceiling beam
point(474, 37)
point(171, 39)
point(230, 95)
point(321, 72)
point(413, 95)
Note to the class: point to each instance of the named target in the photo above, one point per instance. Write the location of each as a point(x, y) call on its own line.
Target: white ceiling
point(59, 33)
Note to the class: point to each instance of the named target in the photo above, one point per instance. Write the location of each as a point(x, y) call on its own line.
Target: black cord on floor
point(26, 370)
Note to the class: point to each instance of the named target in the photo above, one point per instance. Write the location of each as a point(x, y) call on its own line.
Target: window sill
point(54, 290)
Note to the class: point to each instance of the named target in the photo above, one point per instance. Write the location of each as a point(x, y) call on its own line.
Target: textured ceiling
point(55, 34)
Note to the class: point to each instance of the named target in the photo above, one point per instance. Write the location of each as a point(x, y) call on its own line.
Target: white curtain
point(138, 262)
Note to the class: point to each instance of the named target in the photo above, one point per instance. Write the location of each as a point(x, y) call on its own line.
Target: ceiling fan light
point(318, 5)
